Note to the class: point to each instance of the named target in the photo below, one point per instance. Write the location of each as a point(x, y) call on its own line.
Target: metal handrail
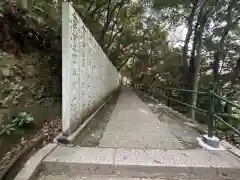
point(183, 90)
point(227, 124)
point(212, 115)
point(227, 101)
point(227, 116)
point(188, 105)
point(170, 88)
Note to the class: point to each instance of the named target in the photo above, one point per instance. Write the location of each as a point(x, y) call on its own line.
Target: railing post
point(211, 115)
point(209, 140)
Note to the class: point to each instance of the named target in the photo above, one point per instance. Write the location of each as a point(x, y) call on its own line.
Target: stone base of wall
point(77, 124)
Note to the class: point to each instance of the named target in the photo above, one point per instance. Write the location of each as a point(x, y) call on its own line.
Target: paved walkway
point(184, 129)
point(133, 125)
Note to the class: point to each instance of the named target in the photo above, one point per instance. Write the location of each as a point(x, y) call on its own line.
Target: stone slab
point(142, 163)
point(173, 163)
point(133, 125)
point(32, 165)
point(80, 160)
point(65, 177)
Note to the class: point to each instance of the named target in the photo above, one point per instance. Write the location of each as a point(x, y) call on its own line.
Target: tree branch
point(220, 49)
point(125, 62)
point(90, 6)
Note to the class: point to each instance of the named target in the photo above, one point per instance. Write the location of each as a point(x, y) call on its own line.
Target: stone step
point(66, 177)
point(142, 163)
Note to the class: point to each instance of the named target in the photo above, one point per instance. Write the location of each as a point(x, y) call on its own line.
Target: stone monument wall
point(88, 75)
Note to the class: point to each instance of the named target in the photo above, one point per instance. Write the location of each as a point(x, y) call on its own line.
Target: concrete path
point(133, 125)
point(184, 129)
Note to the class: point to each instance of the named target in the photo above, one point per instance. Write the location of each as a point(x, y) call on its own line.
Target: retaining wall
point(88, 74)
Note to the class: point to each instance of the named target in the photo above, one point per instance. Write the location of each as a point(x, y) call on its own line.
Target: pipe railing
point(212, 115)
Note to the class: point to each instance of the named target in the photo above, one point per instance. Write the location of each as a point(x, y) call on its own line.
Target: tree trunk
point(195, 63)
point(90, 6)
point(195, 74)
point(190, 20)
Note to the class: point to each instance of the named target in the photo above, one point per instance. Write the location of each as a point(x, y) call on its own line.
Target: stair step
point(142, 163)
point(65, 177)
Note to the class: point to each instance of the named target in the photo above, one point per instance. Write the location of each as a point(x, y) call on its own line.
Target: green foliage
point(16, 123)
point(236, 114)
point(22, 119)
point(7, 129)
